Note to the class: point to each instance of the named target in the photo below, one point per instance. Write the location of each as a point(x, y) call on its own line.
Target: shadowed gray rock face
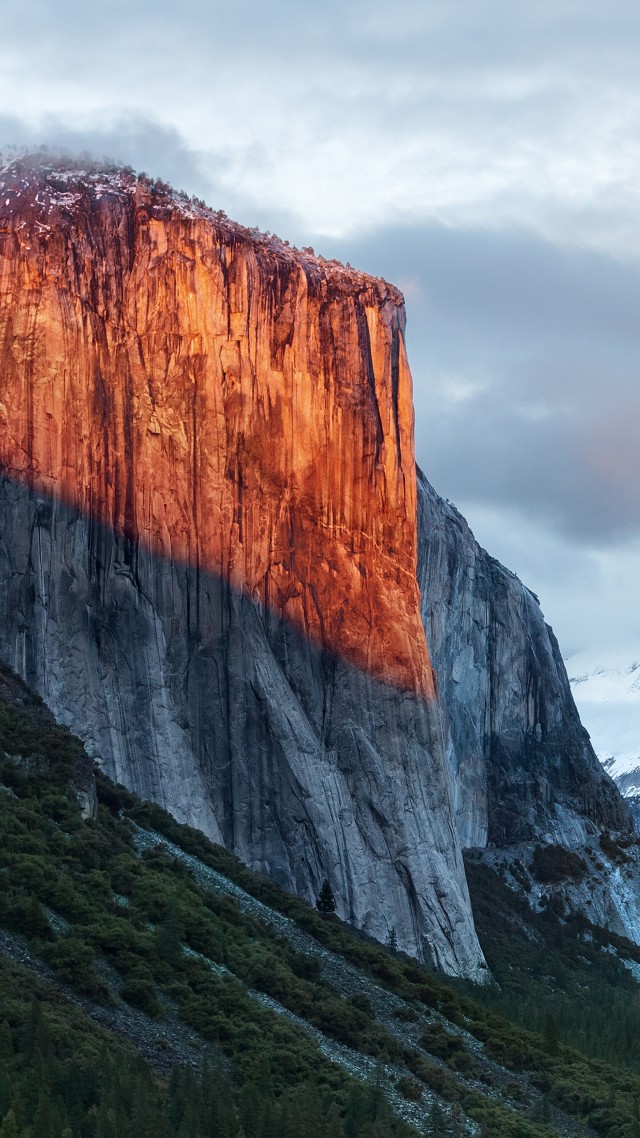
point(521, 761)
point(193, 697)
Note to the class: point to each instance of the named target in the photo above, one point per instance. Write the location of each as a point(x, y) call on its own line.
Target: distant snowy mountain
point(607, 693)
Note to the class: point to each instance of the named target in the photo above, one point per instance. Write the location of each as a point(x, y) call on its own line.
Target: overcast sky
point(484, 156)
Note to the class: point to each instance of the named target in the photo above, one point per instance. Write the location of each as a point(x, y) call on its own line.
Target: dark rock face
point(633, 802)
point(627, 783)
point(522, 763)
point(301, 764)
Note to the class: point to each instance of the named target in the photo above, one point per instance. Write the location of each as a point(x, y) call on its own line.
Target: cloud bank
point(484, 157)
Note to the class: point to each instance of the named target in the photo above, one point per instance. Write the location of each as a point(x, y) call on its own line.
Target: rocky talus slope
point(208, 540)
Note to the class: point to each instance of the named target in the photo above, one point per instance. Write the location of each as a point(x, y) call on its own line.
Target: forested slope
point(203, 999)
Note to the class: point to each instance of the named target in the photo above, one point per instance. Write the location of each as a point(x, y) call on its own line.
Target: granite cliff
point(208, 540)
point(218, 563)
point(527, 785)
point(523, 768)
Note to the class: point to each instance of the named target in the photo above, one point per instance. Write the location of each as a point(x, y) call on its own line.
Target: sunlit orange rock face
point(219, 398)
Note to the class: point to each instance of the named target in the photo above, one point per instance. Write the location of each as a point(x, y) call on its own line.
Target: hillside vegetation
point(151, 984)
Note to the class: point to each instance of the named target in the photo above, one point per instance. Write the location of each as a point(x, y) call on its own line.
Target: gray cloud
point(480, 35)
point(353, 114)
point(484, 156)
point(151, 146)
point(526, 363)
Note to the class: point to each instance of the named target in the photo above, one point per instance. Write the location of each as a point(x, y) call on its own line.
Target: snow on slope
point(607, 693)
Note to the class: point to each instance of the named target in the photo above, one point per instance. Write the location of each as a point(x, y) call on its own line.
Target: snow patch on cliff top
point(64, 180)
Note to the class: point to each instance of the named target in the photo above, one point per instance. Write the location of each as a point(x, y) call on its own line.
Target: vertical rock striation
point(208, 540)
point(522, 764)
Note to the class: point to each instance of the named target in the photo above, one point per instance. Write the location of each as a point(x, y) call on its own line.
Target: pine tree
point(250, 1109)
point(392, 940)
point(168, 938)
point(5, 1090)
point(44, 1123)
point(456, 1122)
point(34, 1031)
point(309, 1106)
point(356, 1111)
point(271, 1120)
point(107, 1123)
point(175, 1106)
point(326, 902)
point(227, 1122)
point(6, 1042)
point(262, 1077)
point(334, 1128)
point(551, 1035)
point(9, 1128)
point(376, 1102)
point(437, 1125)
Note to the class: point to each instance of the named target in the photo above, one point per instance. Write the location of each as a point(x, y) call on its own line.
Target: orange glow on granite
point(220, 398)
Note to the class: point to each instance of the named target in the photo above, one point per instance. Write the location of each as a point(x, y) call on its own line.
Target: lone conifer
point(326, 902)
point(551, 1035)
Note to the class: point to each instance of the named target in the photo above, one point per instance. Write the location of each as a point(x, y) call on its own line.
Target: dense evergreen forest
point(552, 968)
point(150, 984)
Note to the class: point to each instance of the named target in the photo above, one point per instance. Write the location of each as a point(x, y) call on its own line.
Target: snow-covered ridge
point(606, 689)
point(64, 181)
point(615, 678)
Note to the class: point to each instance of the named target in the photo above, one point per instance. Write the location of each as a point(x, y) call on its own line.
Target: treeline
point(83, 898)
point(554, 964)
point(61, 1076)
